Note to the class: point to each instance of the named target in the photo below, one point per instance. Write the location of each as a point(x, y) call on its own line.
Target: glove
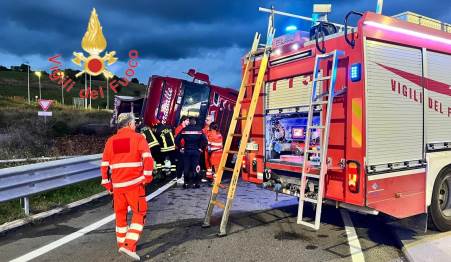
point(148, 180)
point(108, 187)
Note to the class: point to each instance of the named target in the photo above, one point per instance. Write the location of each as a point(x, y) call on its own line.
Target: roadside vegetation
point(68, 132)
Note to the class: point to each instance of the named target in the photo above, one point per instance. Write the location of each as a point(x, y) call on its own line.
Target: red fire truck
point(389, 146)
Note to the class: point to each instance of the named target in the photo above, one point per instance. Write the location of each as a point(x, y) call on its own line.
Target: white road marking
point(353, 239)
point(49, 247)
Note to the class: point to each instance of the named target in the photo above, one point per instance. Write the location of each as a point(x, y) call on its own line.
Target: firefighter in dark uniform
point(195, 144)
point(154, 146)
point(166, 141)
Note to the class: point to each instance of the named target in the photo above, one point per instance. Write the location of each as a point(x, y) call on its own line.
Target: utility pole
point(107, 94)
point(28, 64)
point(62, 87)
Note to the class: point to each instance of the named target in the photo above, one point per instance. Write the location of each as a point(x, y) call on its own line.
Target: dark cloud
point(171, 36)
point(162, 29)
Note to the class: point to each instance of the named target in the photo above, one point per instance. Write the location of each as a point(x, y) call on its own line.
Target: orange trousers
point(208, 165)
point(215, 159)
point(135, 197)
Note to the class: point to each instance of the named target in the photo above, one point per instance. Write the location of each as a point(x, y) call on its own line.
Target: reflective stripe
point(105, 163)
point(146, 154)
point(124, 165)
point(132, 236)
point(105, 181)
point(192, 133)
point(120, 239)
point(137, 227)
point(215, 144)
point(152, 144)
point(148, 173)
point(121, 229)
point(167, 149)
point(129, 183)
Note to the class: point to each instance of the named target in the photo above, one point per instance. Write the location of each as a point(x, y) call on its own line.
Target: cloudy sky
point(171, 36)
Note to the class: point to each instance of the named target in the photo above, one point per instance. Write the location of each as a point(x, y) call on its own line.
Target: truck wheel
point(440, 208)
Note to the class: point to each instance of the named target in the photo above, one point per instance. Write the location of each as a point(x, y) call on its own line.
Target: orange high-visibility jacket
point(179, 129)
point(214, 141)
point(128, 157)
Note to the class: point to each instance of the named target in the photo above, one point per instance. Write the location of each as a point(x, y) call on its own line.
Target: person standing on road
point(165, 138)
point(152, 142)
point(128, 158)
point(184, 121)
point(195, 144)
point(214, 148)
point(205, 159)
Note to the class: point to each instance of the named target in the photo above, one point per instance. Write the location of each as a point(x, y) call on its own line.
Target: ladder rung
point(310, 200)
point(219, 204)
point(323, 78)
point(241, 118)
point(236, 135)
point(317, 127)
point(305, 223)
point(322, 56)
point(232, 152)
point(258, 52)
point(250, 84)
point(313, 151)
point(322, 94)
point(228, 169)
point(312, 175)
point(319, 103)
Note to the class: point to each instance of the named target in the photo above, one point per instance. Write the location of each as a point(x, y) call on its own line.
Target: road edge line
point(81, 232)
point(353, 239)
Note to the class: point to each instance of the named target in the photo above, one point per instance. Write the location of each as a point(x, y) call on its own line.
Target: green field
point(14, 84)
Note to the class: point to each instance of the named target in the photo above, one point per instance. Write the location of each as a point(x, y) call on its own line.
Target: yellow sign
point(94, 43)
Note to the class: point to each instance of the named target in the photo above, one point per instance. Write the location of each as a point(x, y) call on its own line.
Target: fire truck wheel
point(440, 208)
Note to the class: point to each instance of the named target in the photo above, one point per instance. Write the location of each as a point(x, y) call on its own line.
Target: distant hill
point(14, 83)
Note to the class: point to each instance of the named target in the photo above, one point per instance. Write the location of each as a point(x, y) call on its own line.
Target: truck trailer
point(169, 98)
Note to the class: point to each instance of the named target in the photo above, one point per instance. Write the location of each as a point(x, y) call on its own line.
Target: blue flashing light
point(291, 28)
point(356, 72)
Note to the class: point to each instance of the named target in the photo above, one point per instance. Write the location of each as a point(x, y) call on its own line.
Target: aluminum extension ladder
point(315, 101)
point(238, 115)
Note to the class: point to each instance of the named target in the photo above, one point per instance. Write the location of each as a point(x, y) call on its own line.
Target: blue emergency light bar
point(356, 72)
point(291, 28)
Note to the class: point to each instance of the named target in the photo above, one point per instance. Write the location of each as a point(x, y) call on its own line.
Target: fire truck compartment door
point(438, 104)
point(394, 109)
point(291, 92)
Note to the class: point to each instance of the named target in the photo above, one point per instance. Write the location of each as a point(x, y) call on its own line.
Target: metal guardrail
point(7, 161)
point(27, 180)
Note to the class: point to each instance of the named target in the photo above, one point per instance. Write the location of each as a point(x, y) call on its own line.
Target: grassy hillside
point(69, 131)
point(13, 83)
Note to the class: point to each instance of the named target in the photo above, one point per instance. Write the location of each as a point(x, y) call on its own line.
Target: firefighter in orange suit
point(214, 148)
point(128, 159)
point(206, 158)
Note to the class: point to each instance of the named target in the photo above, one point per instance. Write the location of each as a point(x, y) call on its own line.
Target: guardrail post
point(26, 206)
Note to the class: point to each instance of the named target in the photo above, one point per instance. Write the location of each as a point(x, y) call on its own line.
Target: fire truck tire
point(440, 208)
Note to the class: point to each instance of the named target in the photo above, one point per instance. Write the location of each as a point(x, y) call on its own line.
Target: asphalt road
point(261, 229)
